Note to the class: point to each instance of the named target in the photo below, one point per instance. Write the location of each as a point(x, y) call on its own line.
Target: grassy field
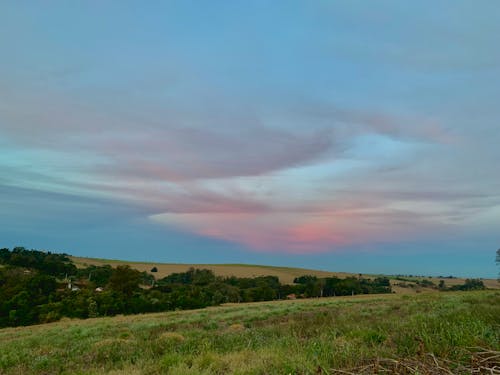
point(362, 334)
point(285, 274)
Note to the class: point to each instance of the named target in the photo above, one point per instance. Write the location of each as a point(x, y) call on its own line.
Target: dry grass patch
point(171, 337)
point(483, 361)
point(237, 327)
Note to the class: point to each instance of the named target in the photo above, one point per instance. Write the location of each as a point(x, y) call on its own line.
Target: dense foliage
point(46, 262)
point(470, 284)
point(334, 286)
point(38, 287)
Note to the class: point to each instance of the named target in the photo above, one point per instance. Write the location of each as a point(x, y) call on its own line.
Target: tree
point(125, 280)
point(154, 269)
point(441, 285)
point(498, 263)
point(470, 284)
point(305, 279)
point(93, 311)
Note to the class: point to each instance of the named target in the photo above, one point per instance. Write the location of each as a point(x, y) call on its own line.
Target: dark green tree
point(470, 284)
point(98, 275)
point(498, 263)
point(125, 280)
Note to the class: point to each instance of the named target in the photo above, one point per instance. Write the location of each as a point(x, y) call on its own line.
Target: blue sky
point(347, 135)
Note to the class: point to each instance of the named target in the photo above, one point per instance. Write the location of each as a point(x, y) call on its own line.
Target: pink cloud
point(287, 231)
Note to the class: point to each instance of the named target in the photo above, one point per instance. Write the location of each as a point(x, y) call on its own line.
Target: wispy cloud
point(187, 153)
point(167, 169)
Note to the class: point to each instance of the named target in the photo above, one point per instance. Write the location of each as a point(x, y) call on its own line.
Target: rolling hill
point(285, 274)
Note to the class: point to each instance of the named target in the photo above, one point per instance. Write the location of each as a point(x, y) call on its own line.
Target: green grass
point(297, 337)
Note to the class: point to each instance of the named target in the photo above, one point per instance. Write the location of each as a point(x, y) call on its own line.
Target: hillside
point(42, 287)
point(286, 275)
point(445, 333)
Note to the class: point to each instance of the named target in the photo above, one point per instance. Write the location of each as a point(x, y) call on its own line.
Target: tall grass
point(298, 337)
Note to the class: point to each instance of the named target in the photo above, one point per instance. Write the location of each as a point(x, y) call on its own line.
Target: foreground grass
point(303, 336)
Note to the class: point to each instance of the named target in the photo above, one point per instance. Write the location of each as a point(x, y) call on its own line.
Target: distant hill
point(286, 275)
point(41, 287)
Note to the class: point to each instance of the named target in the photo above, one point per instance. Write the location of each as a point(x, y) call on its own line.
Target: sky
point(338, 135)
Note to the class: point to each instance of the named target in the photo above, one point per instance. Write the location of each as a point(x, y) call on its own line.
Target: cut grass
point(298, 337)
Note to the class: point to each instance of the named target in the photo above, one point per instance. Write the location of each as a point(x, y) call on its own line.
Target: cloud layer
point(337, 132)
